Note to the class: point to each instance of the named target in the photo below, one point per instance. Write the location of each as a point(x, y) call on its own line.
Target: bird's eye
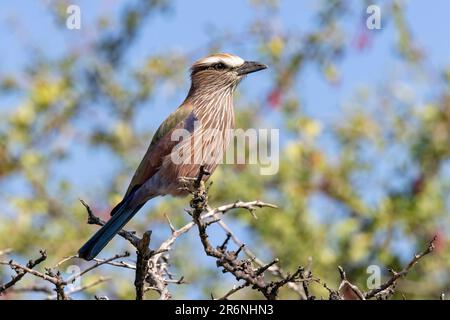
point(219, 66)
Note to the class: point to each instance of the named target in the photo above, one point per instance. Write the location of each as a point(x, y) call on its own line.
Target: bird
point(196, 134)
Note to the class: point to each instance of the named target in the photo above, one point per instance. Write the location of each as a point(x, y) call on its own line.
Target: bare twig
point(233, 291)
point(93, 219)
point(228, 260)
point(83, 288)
point(52, 276)
point(121, 263)
point(96, 265)
point(20, 272)
point(273, 269)
point(152, 266)
point(143, 256)
point(397, 275)
point(62, 261)
point(32, 288)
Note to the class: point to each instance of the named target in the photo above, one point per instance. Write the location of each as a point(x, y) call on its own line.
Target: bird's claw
point(189, 184)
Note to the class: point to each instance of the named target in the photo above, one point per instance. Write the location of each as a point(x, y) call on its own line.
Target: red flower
point(274, 98)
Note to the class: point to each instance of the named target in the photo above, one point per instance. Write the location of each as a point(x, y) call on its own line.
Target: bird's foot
point(189, 184)
point(198, 191)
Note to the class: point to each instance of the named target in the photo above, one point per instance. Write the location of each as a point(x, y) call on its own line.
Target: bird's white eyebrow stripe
point(228, 59)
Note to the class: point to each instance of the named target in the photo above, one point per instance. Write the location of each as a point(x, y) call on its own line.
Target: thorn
point(240, 249)
point(267, 266)
point(252, 212)
point(342, 273)
point(172, 228)
point(225, 243)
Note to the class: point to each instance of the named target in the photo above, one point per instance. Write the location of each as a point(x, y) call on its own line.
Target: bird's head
point(221, 70)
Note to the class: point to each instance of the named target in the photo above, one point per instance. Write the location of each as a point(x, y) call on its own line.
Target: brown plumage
point(207, 115)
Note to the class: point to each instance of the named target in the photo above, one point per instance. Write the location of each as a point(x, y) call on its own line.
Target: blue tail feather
point(122, 214)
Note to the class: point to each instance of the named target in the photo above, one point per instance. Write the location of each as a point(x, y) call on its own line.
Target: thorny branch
point(242, 269)
point(20, 272)
point(388, 287)
point(143, 256)
point(50, 275)
point(274, 269)
point(151, 267)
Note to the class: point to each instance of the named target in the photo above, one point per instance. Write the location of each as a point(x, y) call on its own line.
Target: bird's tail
point(123, 212)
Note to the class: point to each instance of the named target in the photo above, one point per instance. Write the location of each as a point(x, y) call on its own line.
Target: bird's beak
point(249, 67)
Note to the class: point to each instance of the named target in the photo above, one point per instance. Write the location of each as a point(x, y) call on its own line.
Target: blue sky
point(186, 28)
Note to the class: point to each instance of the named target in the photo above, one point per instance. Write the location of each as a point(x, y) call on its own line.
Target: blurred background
point(364, 120)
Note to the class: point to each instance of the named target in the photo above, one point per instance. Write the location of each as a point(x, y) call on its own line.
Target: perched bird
point(207, 116)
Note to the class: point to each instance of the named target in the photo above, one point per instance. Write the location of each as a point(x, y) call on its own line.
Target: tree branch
point(397, 275)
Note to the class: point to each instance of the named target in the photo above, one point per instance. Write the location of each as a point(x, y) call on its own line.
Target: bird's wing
point(162, 144)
